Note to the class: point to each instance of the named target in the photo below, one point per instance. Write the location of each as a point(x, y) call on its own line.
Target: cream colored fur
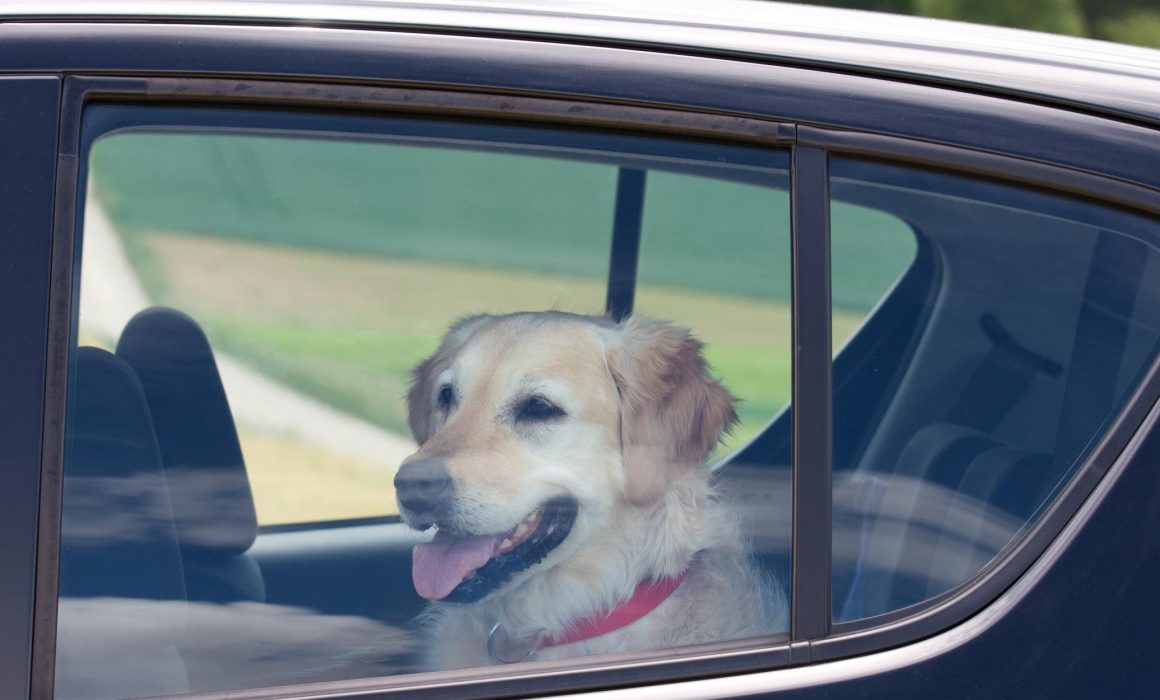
point(642, 414)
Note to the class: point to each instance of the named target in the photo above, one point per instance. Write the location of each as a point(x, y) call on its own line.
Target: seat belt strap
point(999, 380)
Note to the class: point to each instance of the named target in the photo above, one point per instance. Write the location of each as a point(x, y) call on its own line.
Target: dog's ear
point(421, 397)
point(672, 413)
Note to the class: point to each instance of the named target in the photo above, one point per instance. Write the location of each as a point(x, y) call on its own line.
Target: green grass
point(496, 210)
point(364, 373)
point(347, 329)
point(761, 378)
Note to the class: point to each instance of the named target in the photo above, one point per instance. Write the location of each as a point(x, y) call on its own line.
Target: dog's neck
point(504, 648)
point(646, 598)
point(656, 543)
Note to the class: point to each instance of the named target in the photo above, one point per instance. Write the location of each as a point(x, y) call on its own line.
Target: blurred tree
point(1140, 27)
point(1058, 16)
point(1124, 21)
point(1096, 11)
point(898, 7)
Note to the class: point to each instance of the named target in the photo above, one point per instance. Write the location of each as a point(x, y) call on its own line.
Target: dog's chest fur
point(722, 598)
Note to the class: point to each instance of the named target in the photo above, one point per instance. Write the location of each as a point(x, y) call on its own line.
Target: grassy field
point(497, 210)
point(350, 327)
point(294, 482)
point(334, 267)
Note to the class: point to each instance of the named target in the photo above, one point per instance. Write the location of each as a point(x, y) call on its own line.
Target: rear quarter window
point(972, 394)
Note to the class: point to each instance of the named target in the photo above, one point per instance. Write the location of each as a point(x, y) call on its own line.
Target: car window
point(967, 399)
point(870, 250)
point(278, 310)
point(324, 270)
point(739, 304)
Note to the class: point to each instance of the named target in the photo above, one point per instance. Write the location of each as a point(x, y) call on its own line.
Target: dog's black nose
point(423, 485)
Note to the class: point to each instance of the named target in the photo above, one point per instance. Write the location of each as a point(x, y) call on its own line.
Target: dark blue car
point(924, 256)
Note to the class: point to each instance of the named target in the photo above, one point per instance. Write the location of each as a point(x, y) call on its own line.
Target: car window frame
point(28, 174)
point(81, 91)
point(813, 637)
point(963, 600)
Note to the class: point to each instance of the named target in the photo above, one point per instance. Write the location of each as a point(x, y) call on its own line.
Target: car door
point(28, 172)
point(315, 229)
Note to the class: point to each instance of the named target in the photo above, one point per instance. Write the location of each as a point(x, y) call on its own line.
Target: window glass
point(714, 258)
point(971, 393)
point(291, 323)
point(324, 269)
point(870, 249)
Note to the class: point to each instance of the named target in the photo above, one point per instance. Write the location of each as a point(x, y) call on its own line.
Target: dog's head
point(536, 429)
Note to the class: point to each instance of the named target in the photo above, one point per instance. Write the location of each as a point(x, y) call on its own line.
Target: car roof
point(1091, 75)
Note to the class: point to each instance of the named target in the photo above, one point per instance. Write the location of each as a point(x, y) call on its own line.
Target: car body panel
point(1093, 75)
point(1123, 150)
point(28, 126)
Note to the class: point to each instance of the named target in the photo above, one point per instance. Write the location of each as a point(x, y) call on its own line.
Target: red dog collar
point(647, 596)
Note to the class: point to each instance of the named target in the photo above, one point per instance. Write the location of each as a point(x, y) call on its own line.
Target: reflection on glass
point(131, 647)
point(975, 388)
point(901, 539)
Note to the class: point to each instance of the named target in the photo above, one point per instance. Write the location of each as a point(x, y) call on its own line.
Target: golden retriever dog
point(561, 463)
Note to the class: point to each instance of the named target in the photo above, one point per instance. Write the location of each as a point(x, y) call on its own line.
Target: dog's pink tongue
point(438, 567)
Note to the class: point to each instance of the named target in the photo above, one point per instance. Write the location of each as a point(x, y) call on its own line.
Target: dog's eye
point(538, 408)
point(446, 397)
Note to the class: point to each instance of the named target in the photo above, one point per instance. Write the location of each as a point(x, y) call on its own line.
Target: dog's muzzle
point(425, 489)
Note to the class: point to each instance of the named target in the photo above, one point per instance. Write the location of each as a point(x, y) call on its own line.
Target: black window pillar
point(810, 617)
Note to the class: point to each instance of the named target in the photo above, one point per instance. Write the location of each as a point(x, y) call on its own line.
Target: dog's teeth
point(521, 529)
point(506, 544)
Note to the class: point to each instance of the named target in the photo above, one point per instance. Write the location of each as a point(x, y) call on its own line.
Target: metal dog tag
point(506, 649)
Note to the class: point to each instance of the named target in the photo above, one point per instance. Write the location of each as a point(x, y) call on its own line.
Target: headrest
point(212, 503)
point(117, 533)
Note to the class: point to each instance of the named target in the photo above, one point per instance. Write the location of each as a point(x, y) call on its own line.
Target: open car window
point(265, 305)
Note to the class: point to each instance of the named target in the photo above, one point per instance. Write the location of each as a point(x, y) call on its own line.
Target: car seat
point(212, 503)
point(213, 506)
